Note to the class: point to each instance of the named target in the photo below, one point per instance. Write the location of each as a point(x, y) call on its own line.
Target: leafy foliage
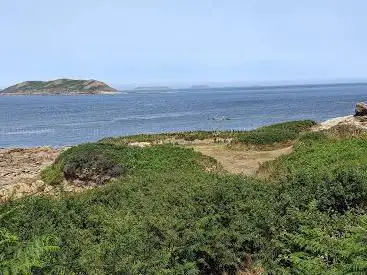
point(168, 215)
point(19, 257)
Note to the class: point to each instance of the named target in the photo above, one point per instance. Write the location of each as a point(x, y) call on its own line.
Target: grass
point(52, 175)
point(168, 215)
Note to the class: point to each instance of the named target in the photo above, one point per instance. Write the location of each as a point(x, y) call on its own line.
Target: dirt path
point(238, 161)
point(20, 169)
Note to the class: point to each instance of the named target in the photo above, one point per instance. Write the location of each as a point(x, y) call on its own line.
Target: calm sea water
point(65, 120)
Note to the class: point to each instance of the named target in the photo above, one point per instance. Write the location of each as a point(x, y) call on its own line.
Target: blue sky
point(183, 41)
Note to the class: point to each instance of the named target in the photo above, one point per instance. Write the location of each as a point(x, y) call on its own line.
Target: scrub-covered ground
point(168, 209)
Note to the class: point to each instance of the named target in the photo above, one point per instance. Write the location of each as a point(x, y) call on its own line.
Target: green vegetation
point(317, 150)
point(277, 133)
point(168, 215)
point(268, 135)
point(22, 258)
point(88, 163)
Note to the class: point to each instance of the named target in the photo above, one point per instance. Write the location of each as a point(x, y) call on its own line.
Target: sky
point(173, 42)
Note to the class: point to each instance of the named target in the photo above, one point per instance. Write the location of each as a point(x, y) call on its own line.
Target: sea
point(28, 121)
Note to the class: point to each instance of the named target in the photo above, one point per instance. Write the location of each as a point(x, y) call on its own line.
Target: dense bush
point(85, 164)
point(92, 169)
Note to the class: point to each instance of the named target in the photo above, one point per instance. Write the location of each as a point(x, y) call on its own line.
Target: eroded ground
point(239, 161)
point(20, 170)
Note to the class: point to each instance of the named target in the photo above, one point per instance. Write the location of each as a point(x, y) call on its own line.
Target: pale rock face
point(140, 144)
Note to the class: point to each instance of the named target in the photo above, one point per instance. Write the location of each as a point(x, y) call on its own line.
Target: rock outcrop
point(20, 168)
point(361, 109)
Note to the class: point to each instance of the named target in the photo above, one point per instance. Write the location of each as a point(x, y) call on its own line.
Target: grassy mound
point(170, 216)
point(97, 161)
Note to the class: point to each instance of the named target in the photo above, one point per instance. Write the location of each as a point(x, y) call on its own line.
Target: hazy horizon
point(140, 43)
point(222, 84)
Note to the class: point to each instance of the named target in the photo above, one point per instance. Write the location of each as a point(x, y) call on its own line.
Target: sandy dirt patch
point(239, 161)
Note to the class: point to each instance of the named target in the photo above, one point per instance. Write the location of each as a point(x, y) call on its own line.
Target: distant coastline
point(243, 87)
point(94, 87)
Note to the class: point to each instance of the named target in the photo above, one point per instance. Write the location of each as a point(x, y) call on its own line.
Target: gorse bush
point(92, 168)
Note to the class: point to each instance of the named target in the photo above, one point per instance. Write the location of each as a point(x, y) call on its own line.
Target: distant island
point(59, 87)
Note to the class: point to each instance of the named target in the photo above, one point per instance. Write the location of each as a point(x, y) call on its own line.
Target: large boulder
point(361, 109)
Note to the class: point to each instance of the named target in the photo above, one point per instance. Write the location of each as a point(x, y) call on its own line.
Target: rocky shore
point(20, 170)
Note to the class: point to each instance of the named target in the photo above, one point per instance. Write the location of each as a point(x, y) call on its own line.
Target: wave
point(154, 116)
point(29, 132)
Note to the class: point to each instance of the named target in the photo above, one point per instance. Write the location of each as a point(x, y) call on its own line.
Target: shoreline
point(20, 167)
point(321, 125)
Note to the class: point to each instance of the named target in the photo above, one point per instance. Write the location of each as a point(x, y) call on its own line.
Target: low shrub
point(92, 168)
point(84, 164)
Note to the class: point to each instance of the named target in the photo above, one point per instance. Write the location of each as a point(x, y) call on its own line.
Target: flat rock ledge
point(20, 170)
point(357, 121)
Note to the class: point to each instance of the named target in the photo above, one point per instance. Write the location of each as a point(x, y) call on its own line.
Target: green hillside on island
point(150, 204)
point(59, 86)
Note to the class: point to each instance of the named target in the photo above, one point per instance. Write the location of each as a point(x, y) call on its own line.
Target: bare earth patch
point(239, 161)
point(20, 170)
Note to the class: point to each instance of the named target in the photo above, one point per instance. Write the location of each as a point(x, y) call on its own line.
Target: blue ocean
point(27, 121)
